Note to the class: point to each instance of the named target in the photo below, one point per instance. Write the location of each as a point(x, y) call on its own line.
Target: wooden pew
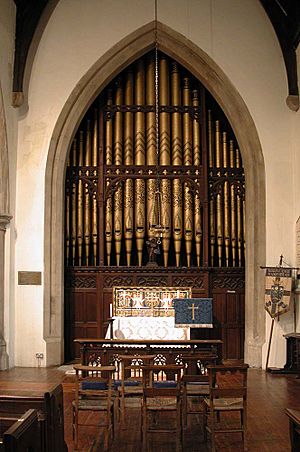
point(23, 435)
point(294, 417)
point(47, 399)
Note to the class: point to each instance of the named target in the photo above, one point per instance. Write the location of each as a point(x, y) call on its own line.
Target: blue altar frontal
point(193, 312)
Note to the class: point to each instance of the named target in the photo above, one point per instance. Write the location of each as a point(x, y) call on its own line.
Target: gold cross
point(193, 310)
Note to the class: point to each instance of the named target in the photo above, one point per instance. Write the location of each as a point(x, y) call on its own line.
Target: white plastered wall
point(239, 38)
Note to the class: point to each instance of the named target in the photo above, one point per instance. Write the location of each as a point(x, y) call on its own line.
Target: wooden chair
point(94, 392)
point(194, 383)
point(162, 396)
point(227, 393)
point(132, 378)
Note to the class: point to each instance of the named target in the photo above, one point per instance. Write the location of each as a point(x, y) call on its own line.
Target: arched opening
point(204, 69)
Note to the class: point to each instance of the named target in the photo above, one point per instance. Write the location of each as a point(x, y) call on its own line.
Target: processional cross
point(193, 310)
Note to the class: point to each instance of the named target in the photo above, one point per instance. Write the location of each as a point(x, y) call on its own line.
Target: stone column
point(4, 220)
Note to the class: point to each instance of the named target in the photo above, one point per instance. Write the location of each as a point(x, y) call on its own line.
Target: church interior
point(149, 225)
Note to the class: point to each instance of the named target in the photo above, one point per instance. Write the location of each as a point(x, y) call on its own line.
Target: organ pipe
point(176, 160)
point(128, 160)
point(94, 198)
point(197, 162)
point(108, 161)
point(212, 202)
point(233, 207)
point(140, 160)
point(87, 199)
point(118, 197)
point(128, 133)
point(219, 197)
point(239, 216)
point(187, 160)
point(150, 142)
point(74, 203)
point(80, 202)
point(68, 234)
point(226, 202)
point(164, 127)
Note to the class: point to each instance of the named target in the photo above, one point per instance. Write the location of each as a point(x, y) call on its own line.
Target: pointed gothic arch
point(213, 78)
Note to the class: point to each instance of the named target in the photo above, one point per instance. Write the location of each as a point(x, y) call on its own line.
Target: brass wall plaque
point(29, 278)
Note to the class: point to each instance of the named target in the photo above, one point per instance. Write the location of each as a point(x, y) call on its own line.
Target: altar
point(147, 313)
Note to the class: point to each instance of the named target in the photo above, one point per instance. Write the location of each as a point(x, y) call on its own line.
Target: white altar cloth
point(160, 328)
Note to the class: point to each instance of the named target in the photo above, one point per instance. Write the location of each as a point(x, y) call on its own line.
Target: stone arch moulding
point(4, 221)
point(92, 83)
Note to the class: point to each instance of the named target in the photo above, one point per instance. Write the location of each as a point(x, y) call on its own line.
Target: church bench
point(47, 399)
point(23, 434)
point(294, 418)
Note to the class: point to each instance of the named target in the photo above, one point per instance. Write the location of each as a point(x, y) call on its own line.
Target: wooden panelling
point(87, 307)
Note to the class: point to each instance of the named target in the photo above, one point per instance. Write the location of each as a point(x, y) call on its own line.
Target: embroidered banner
point(278, 290)
point(193, 312)
point(146, 301)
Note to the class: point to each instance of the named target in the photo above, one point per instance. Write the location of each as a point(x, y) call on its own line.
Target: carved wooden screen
point(111, 179)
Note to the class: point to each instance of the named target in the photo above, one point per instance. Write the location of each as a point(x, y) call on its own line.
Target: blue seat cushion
point(94, 385)
point(165, 384)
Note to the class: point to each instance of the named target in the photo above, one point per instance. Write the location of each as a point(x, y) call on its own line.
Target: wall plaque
point(29, 278)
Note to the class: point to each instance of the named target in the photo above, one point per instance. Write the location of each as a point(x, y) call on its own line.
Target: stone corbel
point(4, 221)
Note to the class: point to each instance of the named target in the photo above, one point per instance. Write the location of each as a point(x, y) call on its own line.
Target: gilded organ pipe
point(74, 203)
point(150, 142)
point(239, 216)
point(108, 161)
point(187, 160)
point(140, 160)
point(94, 196)
point(176, 160)
point(128, 133)
point(219, 202)
point(212, 226)
point(67, 213)
point(118, 197)
point(196, 132)
point(226, 202)
point(233, 206)
point(128, 160)
point(197, 162)
point(80, 202)
point(165, 185)
point(87, 203)
point(95, 139)
point(244, 227)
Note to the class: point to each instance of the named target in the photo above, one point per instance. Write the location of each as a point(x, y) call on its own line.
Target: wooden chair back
point(131, 374)
point(228, 381)
point(94, 392)
point(162, 395)
point(227, 393)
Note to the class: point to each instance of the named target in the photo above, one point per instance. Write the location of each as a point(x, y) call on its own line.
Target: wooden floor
point(268, 430)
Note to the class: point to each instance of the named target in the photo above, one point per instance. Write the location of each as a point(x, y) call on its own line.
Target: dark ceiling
point(32, 15)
